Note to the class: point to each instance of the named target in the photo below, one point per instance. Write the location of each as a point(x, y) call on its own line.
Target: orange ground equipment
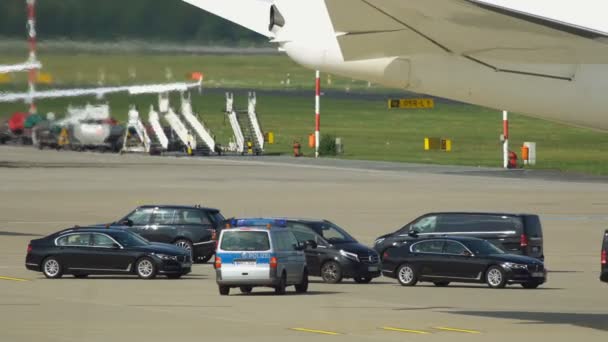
point(297, 149)
point(512, 160)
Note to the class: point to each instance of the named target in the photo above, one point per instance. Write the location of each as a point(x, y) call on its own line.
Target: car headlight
point(514, 266)
point(379, 241)
point(348, 255)
point(166, 256)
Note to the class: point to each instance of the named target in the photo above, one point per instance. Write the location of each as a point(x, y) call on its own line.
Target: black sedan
point(460, 259)
point(84, 251)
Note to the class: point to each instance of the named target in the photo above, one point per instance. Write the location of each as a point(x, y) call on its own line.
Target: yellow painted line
point(420, 332)
point(322, 332)
point(13, 279)
point(466, 331)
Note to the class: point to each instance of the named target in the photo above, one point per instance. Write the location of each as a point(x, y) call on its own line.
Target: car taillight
point(218, 262)
point(523, 240)
point(604, 259)
point(385, 255)
point(29, 248)
point(273, 262)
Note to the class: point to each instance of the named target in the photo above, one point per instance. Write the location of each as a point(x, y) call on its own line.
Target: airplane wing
point(5, 69)
point(100, 92)
point(246, 13)
point(502, 35)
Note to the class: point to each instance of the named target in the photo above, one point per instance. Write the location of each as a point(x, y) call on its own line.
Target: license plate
point(373, 269)
point(245, 263)
point(538, 274)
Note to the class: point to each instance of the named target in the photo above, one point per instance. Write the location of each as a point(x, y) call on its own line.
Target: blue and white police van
point(270, 256)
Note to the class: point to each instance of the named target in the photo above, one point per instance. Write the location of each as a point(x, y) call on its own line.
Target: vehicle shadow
point(3, 233)
point(134, 277)
point(288, 293)
point(584, 320)
point(351, 282)
point(485, 287)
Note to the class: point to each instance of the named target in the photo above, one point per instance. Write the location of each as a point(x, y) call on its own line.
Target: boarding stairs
point(238, 145)
point(157, 129)
point(204, 140)
point(136, 138)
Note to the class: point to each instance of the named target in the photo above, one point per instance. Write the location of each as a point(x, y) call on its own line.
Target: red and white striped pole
point(317, 112)
point(505, 134)
point(33, 73)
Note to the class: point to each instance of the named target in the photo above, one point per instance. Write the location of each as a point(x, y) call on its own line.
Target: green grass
point(369, 131)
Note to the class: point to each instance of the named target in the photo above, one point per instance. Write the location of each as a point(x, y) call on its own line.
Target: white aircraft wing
point(246, 13)
point(100, 92)
point(498, 34)
point(5, 69)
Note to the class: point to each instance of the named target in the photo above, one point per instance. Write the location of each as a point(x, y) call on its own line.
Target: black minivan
point(604, 259)
point(513, 233)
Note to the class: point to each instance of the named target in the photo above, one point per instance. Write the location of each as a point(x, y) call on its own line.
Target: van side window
point(284, 241)
point(456, 223)
point(427, 224)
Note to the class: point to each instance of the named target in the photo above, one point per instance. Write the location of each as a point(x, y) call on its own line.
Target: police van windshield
point(245, 241)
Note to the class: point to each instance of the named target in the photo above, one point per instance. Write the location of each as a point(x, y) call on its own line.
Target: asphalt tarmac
point(44, 191)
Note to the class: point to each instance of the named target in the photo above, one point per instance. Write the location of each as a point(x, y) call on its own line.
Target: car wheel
point(145, 268)
point(303, 286)
point(224, 290)
point(331, 272)
point(495, 278)
point(441, 283)
point(246, 289)
point(174, 276)
point(52, 268)
point(185, 244)
point(406, 274)
point(80, 275)
point(363, 280)
point(530, 285)
point(280, 288)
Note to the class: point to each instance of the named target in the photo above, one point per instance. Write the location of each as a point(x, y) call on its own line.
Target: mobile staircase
point(136, 138)
point(204, 141)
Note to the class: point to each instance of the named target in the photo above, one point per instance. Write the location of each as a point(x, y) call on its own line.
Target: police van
point(248, 257)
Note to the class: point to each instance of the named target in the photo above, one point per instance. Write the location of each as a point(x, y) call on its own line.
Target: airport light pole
point(33, 73)
point(317, 112)
point(505, 141)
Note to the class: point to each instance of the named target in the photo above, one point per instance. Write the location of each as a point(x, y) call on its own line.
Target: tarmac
point(44, 191)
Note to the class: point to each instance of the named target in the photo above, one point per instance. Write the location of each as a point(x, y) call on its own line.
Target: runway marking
point(466, 331)
point(419, 332)
point(322, 332)
point(13, 279)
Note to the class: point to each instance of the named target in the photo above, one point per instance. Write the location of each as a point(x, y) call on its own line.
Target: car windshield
point(128, 239)
point(483, 247)
point(239, 240)
point(332, 233)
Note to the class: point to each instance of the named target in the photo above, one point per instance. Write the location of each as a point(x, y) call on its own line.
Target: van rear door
point(531, 242)
point(245, 255)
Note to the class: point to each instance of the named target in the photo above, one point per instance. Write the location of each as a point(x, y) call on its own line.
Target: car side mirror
point(127, 222)
point(467, 254)
point(300, 246)
point(413, 233)
point(312, 244)
point(115, 246)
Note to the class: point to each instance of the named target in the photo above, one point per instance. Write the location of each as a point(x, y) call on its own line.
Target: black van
point(604, 261)
point(513, 233)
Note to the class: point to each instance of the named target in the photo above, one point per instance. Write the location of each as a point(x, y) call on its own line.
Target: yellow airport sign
point(441, 144)
point(44, 78)
point(5, 78)
point(419, 103)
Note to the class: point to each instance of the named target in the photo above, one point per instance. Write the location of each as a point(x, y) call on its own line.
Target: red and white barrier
point(317, 112)
point(31, 31)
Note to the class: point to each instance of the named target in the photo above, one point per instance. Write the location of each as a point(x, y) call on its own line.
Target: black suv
point(193, 228)
point(513, 233)
point(334, 255)
point(604, 257)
